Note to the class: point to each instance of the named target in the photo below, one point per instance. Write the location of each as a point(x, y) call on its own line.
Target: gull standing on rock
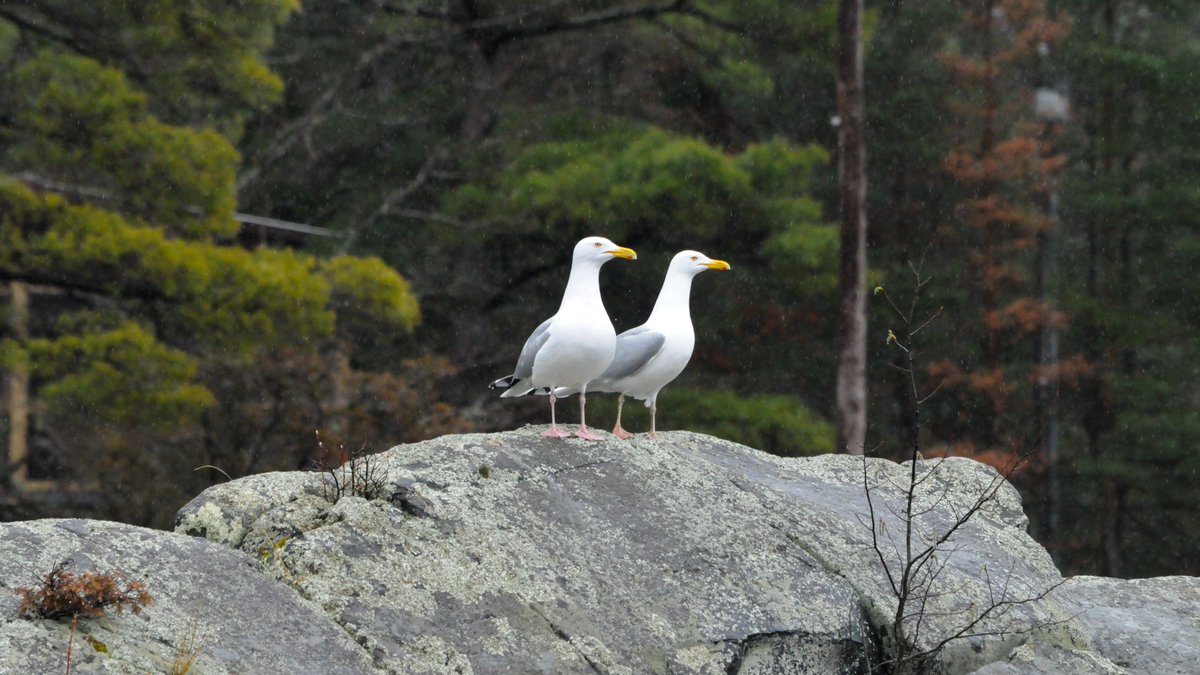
point(655, 353)
point(571, 348)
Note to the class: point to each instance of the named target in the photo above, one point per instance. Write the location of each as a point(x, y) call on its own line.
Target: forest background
point(1035, 160)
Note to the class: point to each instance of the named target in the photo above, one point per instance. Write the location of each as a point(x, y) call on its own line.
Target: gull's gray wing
point(635, 348)
point(540, 334)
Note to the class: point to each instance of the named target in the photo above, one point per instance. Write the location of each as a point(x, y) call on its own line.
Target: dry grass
point(187, 650)
point(61, 594)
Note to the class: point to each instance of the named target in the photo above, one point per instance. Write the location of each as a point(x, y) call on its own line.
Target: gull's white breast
point(581, 345)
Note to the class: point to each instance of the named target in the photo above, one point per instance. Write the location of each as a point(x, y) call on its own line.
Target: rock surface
point(244, 622)
point(1149, 626)
point(685, 554)
point(1039, 659)
point(508, 552)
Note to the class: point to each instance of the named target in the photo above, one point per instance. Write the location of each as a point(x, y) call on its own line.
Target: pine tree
point(127, 298)
point(1132, 236)
point(1001, 170)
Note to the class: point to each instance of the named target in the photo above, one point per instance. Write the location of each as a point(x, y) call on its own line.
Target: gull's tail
point(515, 386)
point(504, 382)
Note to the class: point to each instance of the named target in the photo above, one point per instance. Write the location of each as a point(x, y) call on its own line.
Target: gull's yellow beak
point(622, 252)
point(717, 265)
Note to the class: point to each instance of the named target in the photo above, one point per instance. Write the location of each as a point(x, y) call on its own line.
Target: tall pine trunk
point(852, 277)
point(14, 463)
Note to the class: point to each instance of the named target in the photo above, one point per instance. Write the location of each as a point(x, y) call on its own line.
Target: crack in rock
point(555, 472)
point(562, 635)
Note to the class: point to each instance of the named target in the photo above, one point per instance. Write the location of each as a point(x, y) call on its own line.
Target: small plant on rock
point(187, 650)
point(914, 556)
point(357, 474)
point(60, 594)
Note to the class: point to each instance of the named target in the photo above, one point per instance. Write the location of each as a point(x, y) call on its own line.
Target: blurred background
point(224, 226)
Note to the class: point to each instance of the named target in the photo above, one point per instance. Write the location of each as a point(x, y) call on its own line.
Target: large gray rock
point(244, 622)
point(1041, 659)
point(1149, 626)
point(686, 554)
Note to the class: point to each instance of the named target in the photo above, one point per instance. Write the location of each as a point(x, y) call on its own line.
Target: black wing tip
point(504, 382)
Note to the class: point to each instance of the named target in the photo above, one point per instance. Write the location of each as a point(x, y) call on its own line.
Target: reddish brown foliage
point(1004, 460)
point(1067, 372)
point(62, 593)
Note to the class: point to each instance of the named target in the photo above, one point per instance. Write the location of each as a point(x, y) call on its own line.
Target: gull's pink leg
point(653, 412)
point(554, 431)
point(617, 430)
point(583, 432)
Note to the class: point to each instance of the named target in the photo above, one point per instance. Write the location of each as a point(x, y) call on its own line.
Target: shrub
point(90, 594)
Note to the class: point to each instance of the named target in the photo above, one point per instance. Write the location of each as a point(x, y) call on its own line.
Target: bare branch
point(928, 321)
point(415, 12)
point(302, 127)
point(391, 199)
point(709, 19)
point(887, 570)
point(44, 31)
point(499, 30)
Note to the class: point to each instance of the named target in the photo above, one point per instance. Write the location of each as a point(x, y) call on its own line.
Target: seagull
point(571, 348)
point(653, 354)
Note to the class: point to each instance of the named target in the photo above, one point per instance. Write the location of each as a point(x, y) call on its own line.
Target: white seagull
point(655, 353)
point(571, 348)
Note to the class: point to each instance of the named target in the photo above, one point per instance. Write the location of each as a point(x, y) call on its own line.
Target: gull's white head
point(599, 250)
point(692, 263)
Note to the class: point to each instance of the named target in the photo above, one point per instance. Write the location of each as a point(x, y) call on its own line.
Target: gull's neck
point(672, 304)
point(583, 286)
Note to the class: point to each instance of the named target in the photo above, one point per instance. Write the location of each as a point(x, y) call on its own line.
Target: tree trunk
point(852, 277)
point(1112, 529)
point(14, 469)
point(1048, 381)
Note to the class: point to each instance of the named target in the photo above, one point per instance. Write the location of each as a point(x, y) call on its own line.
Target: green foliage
point(804, 258)
point(623, 180)
point(84, 122)
point(802, 251)
point(1131, 238)
point(366, 288)
point(197, 60)
point(782, 425)
point(781, 171)
point(633, 183)
point(117, 192)
point(661, 193)
point(707, 131)
point(118, 378)
point(212, 294)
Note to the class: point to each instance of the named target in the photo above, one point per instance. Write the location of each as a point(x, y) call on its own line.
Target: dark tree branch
point(709, 58)
point(389, 202)
point(502, 29)
point(144, 293)
point(415, 12)
point(709, 19)
point(301, 128)
point(44, 31)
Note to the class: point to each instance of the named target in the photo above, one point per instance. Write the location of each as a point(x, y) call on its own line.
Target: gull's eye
point(695, 258)
point(597, 244)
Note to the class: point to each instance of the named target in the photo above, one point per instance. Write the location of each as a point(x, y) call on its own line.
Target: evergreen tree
point(127, 305)
point(1000, 170)
point(1131, 243)
point(395, 129)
